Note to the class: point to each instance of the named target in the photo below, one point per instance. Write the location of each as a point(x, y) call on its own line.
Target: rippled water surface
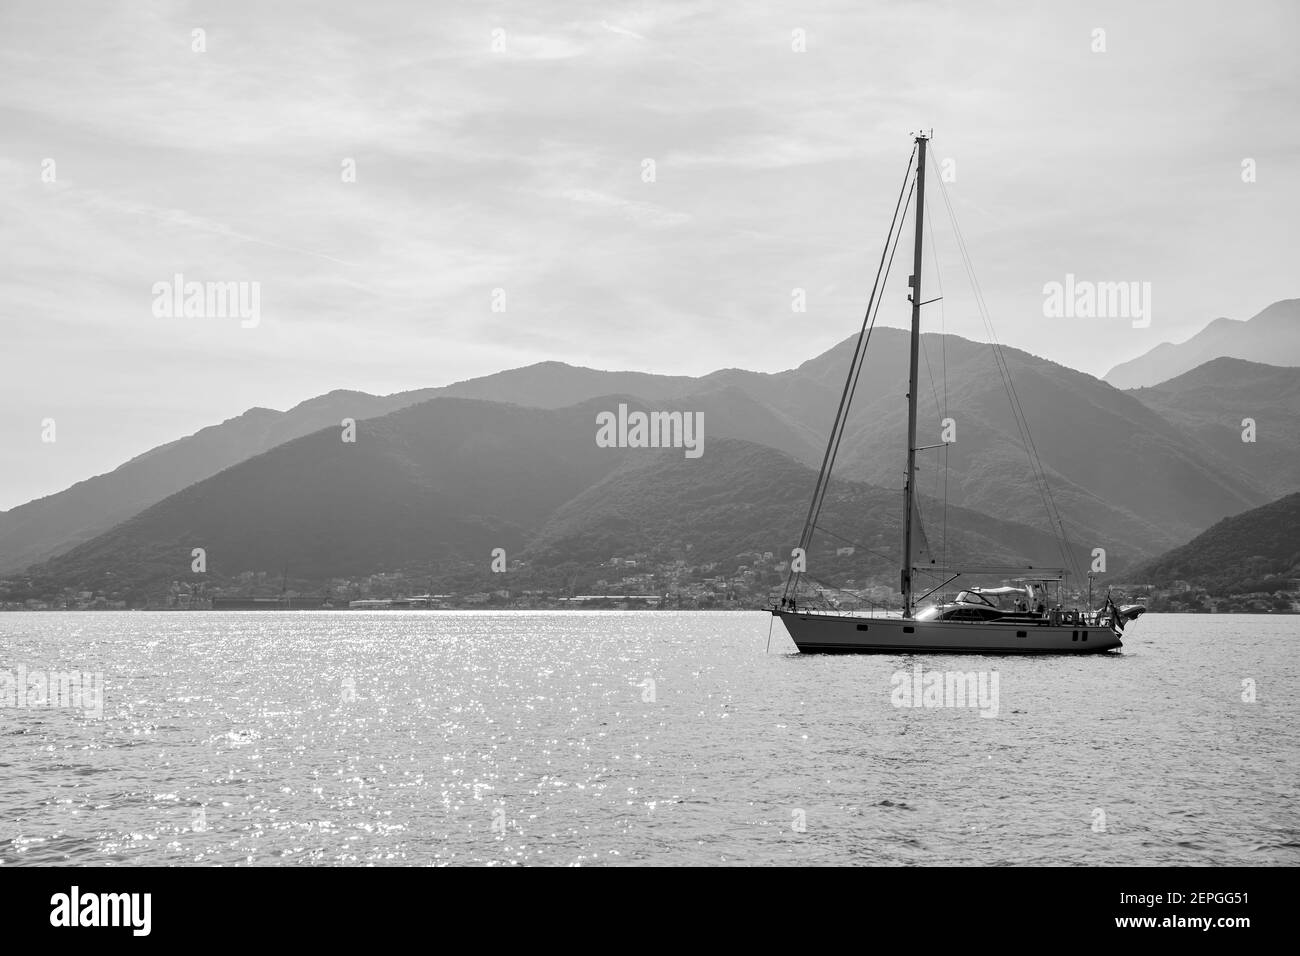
point(624, 737)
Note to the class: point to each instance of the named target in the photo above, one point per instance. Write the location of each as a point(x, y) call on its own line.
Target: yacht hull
point(821, 633)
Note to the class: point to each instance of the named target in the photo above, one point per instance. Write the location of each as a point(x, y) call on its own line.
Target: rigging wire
point(1017, 409)
point(941, 408)
point(879, 554)
point(855, 368)
point(859, 350)
point(857, 372)
point(943, 345)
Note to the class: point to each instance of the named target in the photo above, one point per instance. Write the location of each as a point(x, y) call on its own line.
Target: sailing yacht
point(1011, 619)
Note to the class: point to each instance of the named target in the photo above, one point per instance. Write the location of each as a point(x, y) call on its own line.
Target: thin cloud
point(639, 211)
point(621, 31)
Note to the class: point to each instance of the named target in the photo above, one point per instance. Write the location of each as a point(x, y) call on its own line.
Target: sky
point(502, 211)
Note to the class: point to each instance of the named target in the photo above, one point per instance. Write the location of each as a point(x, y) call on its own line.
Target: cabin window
point(862, 627)
point(1074, 635)
point(1022, 633)
point(909, 630)
point(1085, 635)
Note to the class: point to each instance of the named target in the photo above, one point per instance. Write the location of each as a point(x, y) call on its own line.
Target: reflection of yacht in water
point(1024, 619)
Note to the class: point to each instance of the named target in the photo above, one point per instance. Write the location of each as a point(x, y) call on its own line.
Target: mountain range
point(1257, 551)
point(452, 479)
point(509, 460)
point(1227, 400)
point(1272, 336)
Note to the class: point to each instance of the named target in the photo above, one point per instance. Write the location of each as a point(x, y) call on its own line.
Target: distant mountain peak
point(256, 413)
point(1283, 309)
point(1272, 337)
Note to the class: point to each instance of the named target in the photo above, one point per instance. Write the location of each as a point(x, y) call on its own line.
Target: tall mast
point(914, 283)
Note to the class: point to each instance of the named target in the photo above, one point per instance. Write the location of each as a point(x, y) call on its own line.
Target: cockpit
point(988, 604)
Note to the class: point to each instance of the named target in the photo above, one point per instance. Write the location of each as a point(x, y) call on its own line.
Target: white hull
point(815, 632)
